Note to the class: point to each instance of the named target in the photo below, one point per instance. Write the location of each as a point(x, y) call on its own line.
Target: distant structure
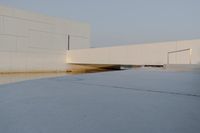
point(31, 42)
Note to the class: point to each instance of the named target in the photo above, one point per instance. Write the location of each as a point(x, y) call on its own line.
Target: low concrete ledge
point(183, 67)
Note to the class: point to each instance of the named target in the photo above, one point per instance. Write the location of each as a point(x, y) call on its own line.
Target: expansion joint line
point(142, 90)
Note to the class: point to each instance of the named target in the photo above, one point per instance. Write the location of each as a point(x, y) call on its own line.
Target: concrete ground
point(141, 101)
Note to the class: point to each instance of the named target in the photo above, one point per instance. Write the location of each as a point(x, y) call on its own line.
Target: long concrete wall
point(141, 54)
point(33, 42)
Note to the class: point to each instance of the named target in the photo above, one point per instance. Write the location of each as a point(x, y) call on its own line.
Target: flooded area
point(137, 100)
point(6, 78)
point(17, 77)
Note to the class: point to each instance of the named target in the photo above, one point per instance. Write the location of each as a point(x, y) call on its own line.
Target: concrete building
point(31, 42)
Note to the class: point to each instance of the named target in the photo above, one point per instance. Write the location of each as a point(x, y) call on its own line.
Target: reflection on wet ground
point(6, 78)
point(17, 77)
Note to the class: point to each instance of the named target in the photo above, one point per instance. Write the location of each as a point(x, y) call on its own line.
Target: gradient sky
point(121, 22)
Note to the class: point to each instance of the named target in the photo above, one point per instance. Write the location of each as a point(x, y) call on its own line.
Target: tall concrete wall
point(142, 54)
point(33, 42)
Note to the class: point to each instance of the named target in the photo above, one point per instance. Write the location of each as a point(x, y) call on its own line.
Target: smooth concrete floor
point(141, 101)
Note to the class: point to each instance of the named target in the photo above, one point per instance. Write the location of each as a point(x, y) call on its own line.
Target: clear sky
point(121, 22)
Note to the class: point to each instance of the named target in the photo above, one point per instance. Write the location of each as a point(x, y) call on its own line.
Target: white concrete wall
point(33, 42)
point(142, 54)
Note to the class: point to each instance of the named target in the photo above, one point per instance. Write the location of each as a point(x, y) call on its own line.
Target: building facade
point(32, 42)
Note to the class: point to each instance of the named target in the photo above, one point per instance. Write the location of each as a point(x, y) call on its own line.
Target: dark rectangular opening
point(68, 43)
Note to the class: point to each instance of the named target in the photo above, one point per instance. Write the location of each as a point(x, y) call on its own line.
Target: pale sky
point(121, 22)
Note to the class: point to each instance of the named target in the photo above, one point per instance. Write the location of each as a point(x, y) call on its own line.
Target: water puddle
point(17, 77)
